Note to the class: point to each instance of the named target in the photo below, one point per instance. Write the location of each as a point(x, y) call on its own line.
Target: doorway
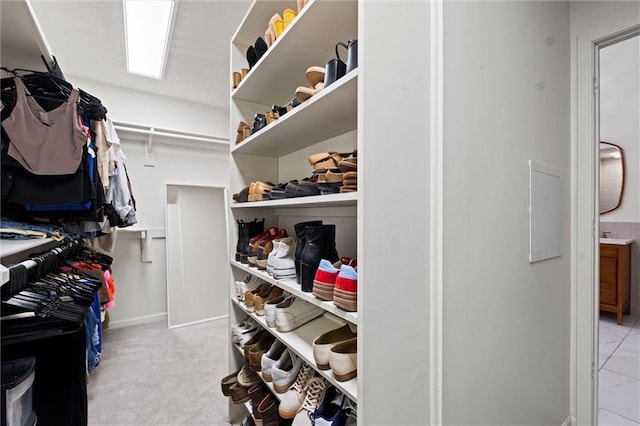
point(585, 216)
point(618, 364)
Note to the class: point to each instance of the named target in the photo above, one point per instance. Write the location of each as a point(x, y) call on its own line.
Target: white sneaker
point(247, 325)
point(270, 357)
point(284, 264)
point(270, 309)
point(285, 370)
point(271, 256)
point(291, 400)
point(243, 286)
point(294, 312)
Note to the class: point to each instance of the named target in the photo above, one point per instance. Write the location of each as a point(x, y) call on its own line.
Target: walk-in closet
point(315, 212)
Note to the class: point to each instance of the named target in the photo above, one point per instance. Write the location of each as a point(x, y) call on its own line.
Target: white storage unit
point(392, 238)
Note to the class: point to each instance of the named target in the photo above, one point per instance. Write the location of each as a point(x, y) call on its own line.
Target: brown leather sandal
point(324, 160)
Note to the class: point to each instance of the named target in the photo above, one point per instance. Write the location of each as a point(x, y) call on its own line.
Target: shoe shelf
point(300, 341)
point(330, 200)
point(302, 418)
point(292, 287)
point(309, 40)
point(325, 115)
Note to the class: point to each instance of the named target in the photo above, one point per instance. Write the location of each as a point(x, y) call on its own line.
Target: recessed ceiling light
point(148, 26)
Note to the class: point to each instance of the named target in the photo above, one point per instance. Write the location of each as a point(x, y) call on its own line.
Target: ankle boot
point(243, 237)
point(268, 409)
point(257, 393)
point(320, 244)
point(301, 236)
point(254, 228)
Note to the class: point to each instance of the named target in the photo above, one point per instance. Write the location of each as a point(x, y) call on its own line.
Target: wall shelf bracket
point(148, 150)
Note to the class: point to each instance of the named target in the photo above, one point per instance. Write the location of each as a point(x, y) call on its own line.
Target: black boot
point(301, 236)
point(243, 237)
point(253, 228)
point(320, 244)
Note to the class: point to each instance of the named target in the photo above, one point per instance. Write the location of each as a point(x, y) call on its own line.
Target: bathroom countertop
point(616, 241)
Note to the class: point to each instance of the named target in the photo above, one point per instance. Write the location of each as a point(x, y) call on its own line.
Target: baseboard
point(199, 321)
point(569, 421)
point(138, 320)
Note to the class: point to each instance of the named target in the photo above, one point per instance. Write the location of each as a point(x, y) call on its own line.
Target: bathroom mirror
point(611, 176)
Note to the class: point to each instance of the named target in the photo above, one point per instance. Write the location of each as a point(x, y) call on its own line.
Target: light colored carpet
point(152, 376)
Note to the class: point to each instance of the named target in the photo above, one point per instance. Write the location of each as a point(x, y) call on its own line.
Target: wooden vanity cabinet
point(615, 279)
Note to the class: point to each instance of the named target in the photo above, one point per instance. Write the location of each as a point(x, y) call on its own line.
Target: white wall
point(141, 287)
point(144, 108)
point(505, 321)
point(619, 119)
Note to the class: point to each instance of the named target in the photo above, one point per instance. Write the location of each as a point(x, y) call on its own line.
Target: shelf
point(293, 288)
point(309, 40)
point(10, 247)
point(300, 341)
point(331, 200)
point(328, 114)
point(301, 418)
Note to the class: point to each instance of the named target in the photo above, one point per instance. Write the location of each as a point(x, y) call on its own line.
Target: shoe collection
point(297, 385)
point(275, 28)
point(310, 256)
point(332, 173)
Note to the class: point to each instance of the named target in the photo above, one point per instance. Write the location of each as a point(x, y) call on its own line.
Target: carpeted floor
point(152, 376)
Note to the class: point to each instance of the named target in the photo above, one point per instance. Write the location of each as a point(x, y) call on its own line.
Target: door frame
point(585, 218)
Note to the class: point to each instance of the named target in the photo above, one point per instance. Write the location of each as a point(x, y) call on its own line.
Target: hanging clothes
point(45, 142)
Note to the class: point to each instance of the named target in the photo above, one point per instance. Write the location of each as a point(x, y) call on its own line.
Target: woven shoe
point(314, 393)
point(291, 400)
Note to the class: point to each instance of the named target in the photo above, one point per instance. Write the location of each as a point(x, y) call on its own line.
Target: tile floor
point(619, 371)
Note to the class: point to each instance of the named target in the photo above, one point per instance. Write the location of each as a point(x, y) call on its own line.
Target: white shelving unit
point(327, 121)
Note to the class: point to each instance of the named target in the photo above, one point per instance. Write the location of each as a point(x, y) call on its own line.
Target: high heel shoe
point(252, 56)
point(315, 75)
point(259, 121)
point(301, 4)
point(242, 132)
point(261, 47)
point(271, 116)
point(304, 93)
point(237, 78)
point(276, 25)
point(288, 15)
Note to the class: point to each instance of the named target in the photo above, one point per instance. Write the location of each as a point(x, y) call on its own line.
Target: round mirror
point(611, 176)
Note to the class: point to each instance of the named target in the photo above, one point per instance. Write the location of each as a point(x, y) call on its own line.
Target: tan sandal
point(324, 160)
point(304, 93)
point(315, 75)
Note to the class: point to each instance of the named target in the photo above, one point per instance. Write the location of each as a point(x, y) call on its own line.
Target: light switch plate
point(545, 212)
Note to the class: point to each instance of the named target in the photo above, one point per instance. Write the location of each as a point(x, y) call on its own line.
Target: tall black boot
point(243, 237)
point(253, 228)
point(320, 244)
point(301, 237)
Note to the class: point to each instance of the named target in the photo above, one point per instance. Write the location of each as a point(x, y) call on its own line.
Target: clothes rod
point(169, 133)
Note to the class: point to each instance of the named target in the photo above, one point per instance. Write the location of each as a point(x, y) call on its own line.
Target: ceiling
point(87, 38)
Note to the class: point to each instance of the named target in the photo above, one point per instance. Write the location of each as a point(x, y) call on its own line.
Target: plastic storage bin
point(17, 380)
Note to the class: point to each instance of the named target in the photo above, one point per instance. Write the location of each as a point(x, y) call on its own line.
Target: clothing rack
point(39, 264)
